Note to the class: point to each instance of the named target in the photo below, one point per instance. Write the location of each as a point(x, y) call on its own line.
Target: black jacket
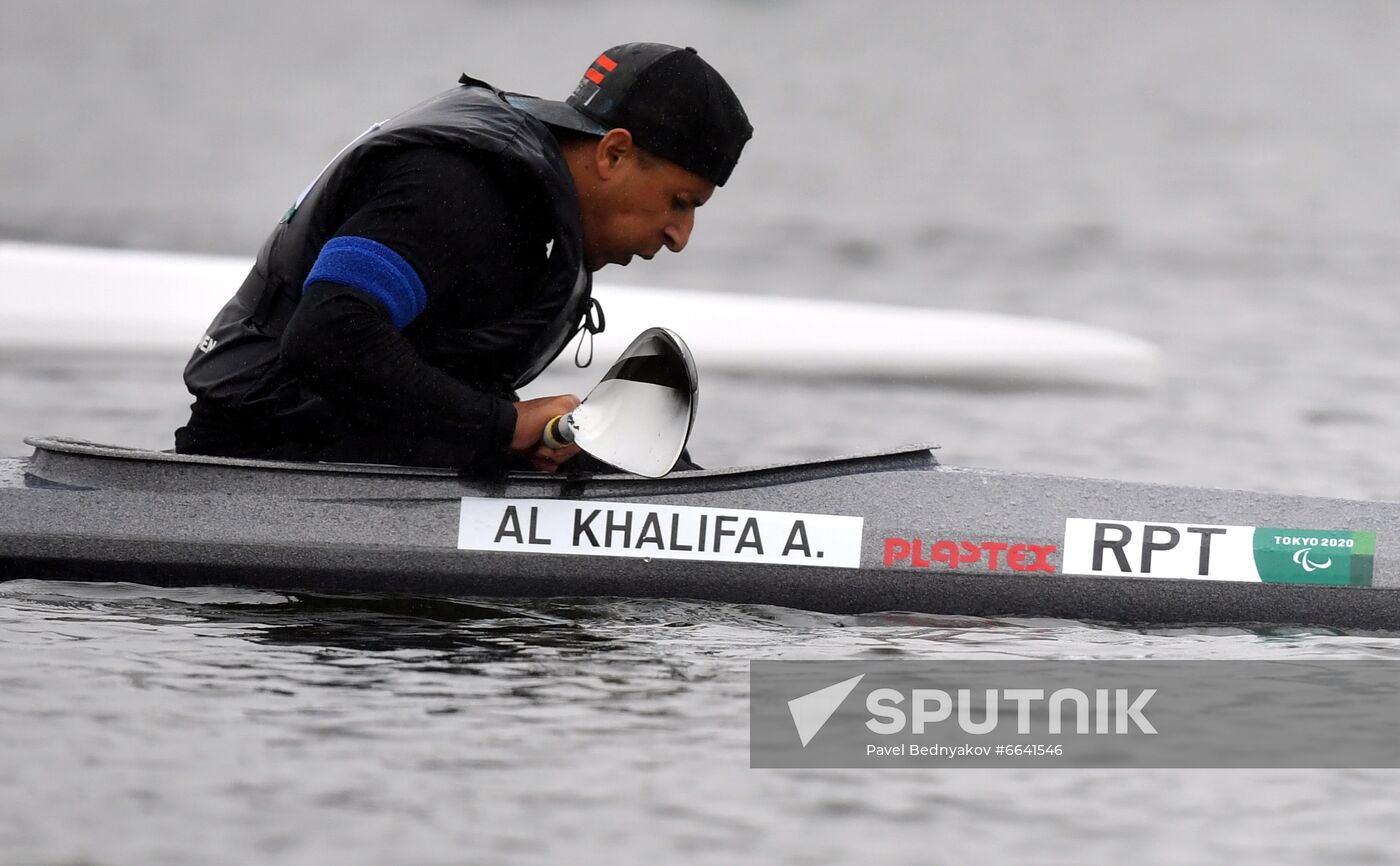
point(265, 387)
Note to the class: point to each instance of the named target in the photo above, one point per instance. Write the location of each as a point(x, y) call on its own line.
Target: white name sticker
point(1271, 554)
point(659, 532)
point(1125, 547)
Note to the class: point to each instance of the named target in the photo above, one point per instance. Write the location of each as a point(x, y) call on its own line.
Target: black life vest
point(236, 367)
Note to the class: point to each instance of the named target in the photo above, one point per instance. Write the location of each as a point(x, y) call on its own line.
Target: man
point(444, 258)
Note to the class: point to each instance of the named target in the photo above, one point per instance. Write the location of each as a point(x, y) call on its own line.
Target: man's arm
point(347, 350)
point(423, 230)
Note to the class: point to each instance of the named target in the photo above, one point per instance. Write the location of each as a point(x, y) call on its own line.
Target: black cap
point(674, 103)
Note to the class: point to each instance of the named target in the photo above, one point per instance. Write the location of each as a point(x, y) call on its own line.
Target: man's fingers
point(533, 415)
point(550, 459)
point(557, 455)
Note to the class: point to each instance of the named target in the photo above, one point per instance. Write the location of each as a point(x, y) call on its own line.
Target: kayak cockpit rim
point(61, 461)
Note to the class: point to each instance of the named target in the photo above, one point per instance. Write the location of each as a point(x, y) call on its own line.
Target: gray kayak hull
point(911, 535)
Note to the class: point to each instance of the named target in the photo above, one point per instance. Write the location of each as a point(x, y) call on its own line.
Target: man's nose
point(678, 233)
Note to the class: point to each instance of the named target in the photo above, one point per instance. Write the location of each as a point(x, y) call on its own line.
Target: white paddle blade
point(639, 417)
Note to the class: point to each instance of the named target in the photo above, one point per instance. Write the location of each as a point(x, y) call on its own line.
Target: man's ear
point(611, 150)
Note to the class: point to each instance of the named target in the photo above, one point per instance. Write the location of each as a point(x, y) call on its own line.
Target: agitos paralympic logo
point(950, 554)
point(1304, 558)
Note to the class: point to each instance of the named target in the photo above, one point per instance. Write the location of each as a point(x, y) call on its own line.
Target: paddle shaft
point(559, 432)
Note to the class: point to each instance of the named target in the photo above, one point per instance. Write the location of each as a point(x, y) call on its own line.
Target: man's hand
point(531, 416)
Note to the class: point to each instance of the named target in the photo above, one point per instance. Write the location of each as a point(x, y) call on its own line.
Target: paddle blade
point(638, 418)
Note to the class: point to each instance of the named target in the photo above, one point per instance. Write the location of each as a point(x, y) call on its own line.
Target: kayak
point(76, 299)
point(888, 531)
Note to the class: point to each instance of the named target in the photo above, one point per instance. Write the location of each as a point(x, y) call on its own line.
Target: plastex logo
point(991, 556)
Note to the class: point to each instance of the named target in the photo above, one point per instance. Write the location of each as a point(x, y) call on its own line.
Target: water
point(245, 725)
point(1215, 178)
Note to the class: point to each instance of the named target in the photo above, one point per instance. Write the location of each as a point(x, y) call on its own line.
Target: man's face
point(646, 204)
